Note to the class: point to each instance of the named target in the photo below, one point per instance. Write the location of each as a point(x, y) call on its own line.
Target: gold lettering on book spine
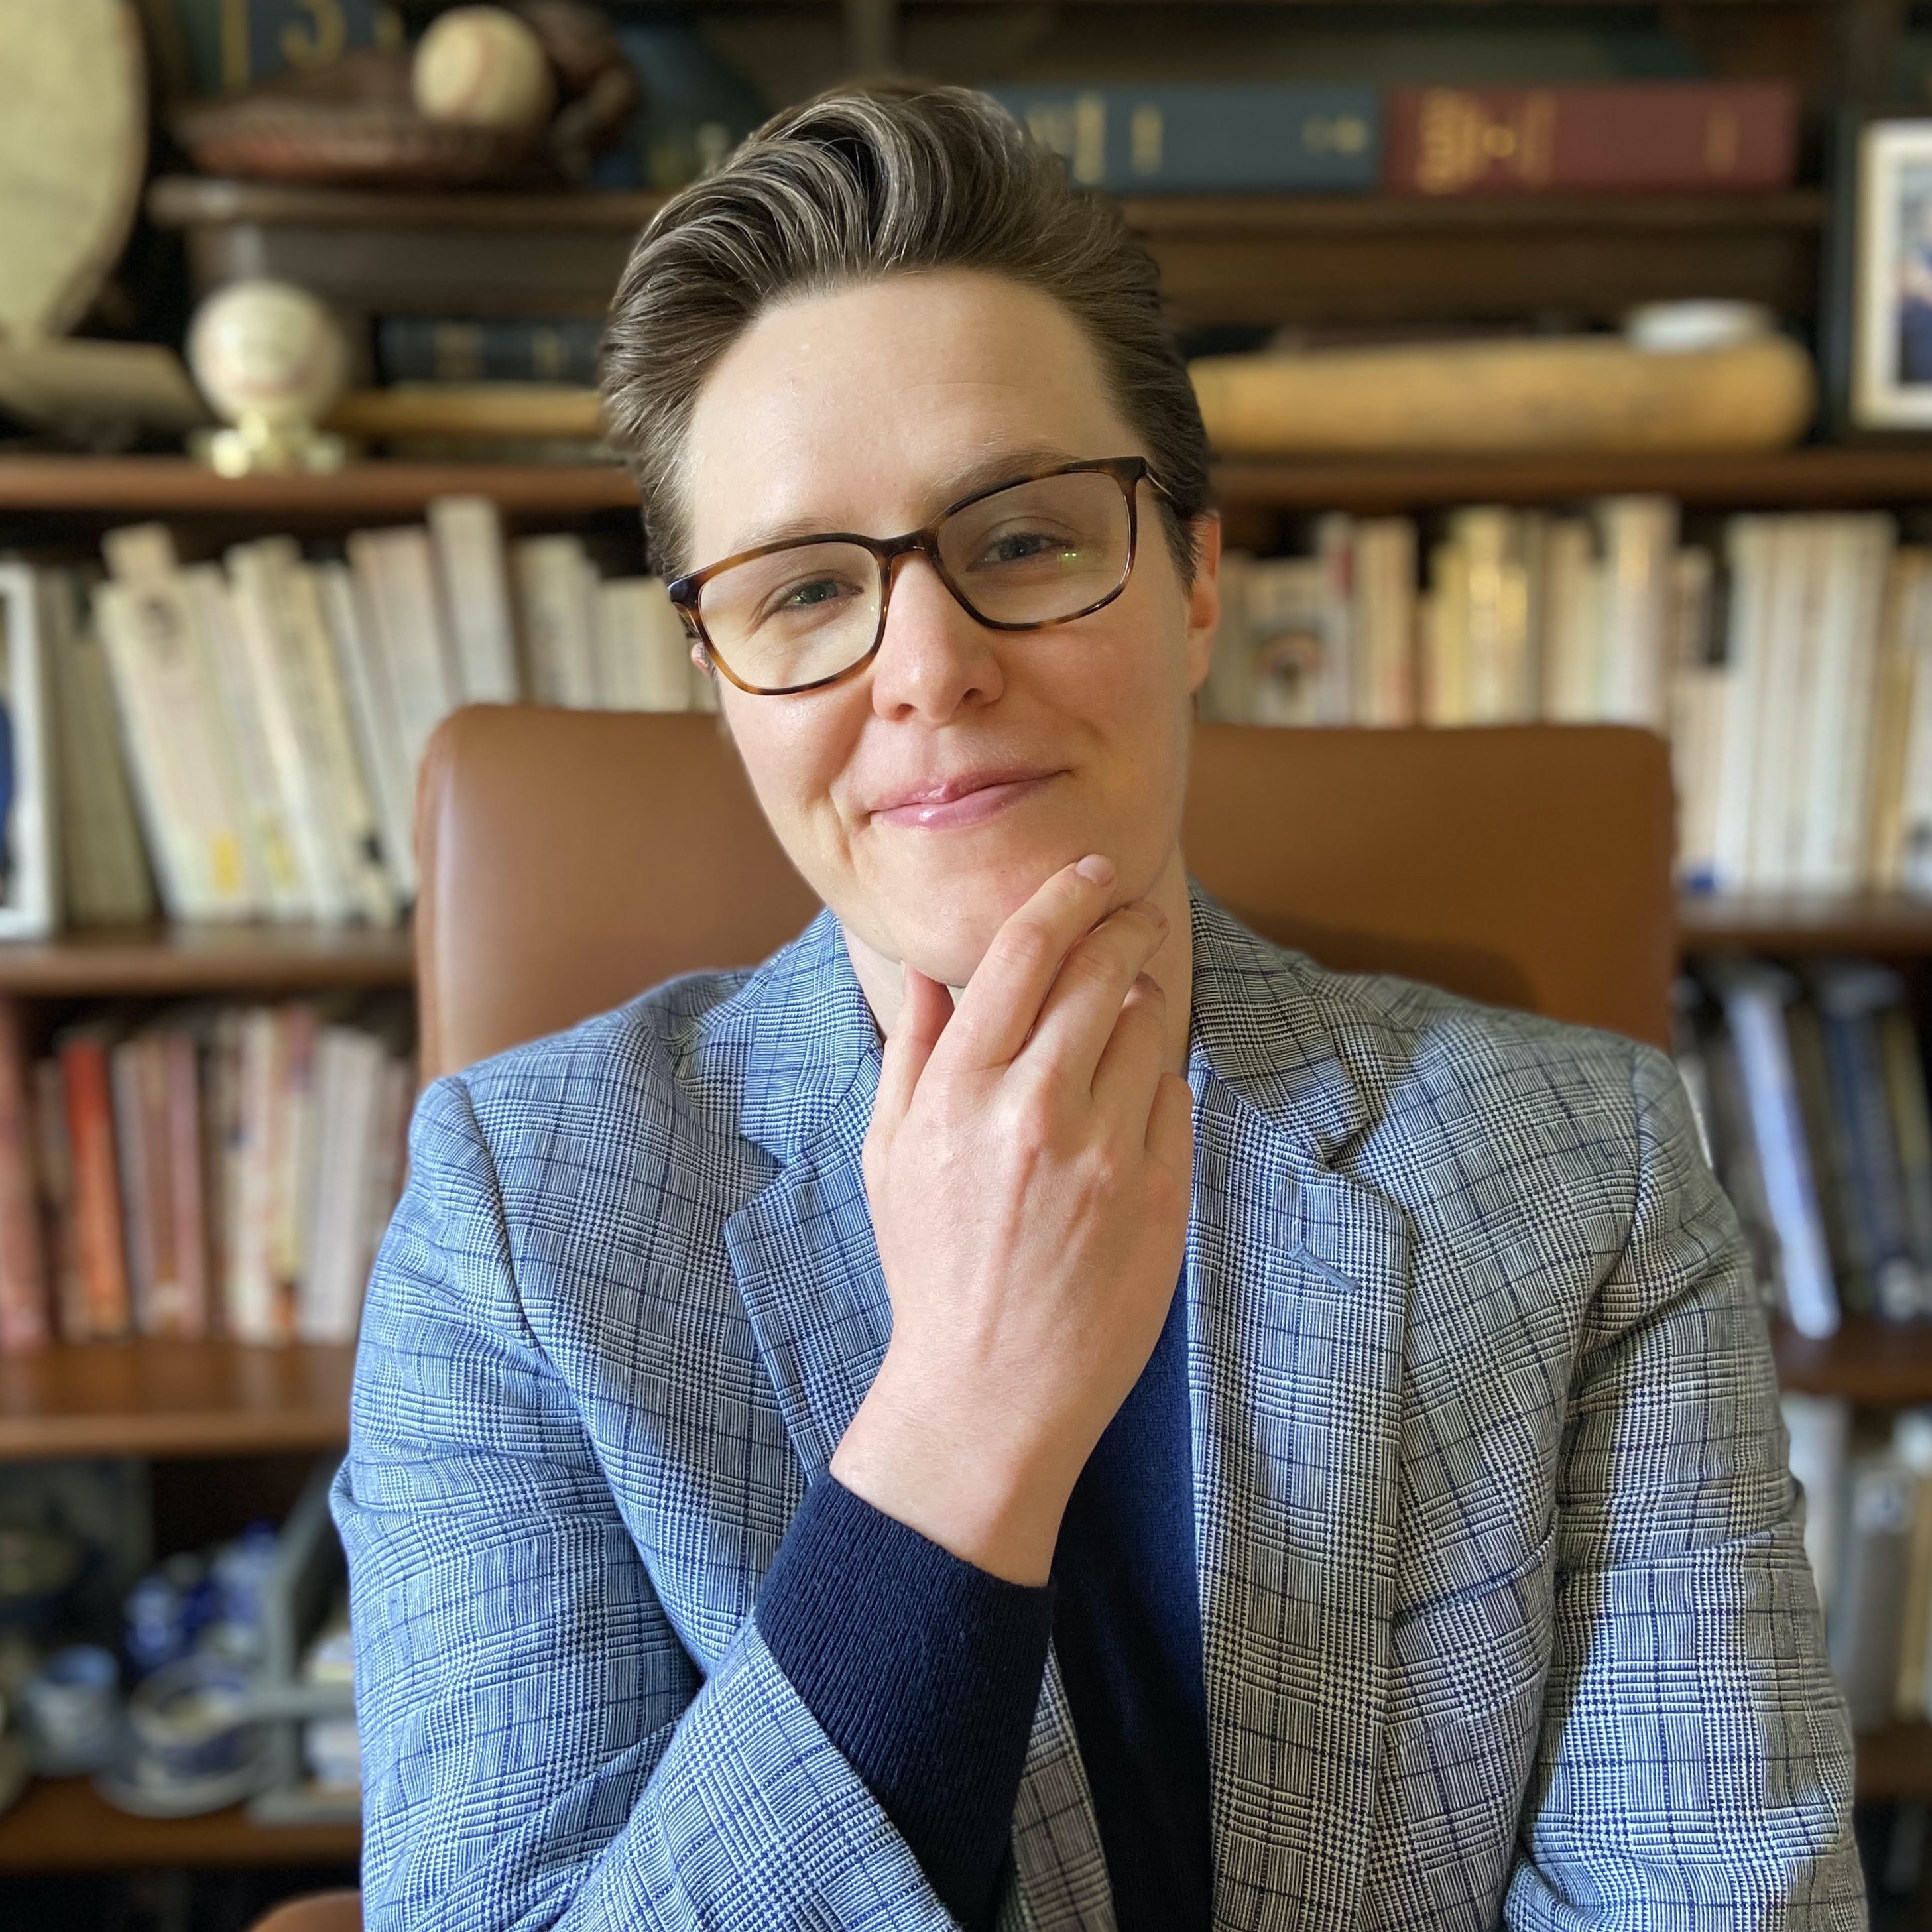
point(1459, 141)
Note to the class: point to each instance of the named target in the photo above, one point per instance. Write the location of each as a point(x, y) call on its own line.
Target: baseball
point(483, 67)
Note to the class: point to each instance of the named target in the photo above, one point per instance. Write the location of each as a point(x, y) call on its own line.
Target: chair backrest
point(570, 858)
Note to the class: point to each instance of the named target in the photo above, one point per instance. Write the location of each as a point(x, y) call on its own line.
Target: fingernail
point(1154, 913)
point(1146, 983)
point(1096, 869)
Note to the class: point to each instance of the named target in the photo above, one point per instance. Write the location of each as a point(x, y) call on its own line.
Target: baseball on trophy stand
point(272, 361)
point(484, 67)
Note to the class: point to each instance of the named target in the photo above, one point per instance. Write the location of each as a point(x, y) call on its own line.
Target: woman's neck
point(1172, 967)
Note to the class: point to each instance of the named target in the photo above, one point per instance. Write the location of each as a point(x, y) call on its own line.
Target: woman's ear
point(1203, 596)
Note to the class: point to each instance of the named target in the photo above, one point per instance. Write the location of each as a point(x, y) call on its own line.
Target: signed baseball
point(484, 67)
point(268, 350)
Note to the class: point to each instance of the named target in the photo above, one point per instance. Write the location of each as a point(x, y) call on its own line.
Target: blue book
point(1206, 139)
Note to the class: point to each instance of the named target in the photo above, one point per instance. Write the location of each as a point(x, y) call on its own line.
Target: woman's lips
point(948, 807)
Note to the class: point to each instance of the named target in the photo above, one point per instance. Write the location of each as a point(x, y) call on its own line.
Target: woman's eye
point(819, 590)
point(1023, 546)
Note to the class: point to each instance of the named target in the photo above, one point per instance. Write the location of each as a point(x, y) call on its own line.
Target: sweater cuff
point(924, 1670)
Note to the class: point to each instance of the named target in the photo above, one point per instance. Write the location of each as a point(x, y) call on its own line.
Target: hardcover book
point(1205, 138)
point(1691, 136)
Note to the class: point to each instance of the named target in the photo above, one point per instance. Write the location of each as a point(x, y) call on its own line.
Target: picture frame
point(1887, 171)
point(29, 893)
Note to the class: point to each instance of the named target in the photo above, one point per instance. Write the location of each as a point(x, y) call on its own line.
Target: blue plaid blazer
point(1506, 1616)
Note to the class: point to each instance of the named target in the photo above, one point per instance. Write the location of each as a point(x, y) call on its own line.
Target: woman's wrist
point(911, 1459)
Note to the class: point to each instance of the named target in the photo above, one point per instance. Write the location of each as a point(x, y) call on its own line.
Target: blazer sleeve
point(538, 1748)
point(1695, 1763)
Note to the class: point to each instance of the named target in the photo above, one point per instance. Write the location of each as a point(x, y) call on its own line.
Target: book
point(407, 631)
point(496, 349)
point(53, 1176)
point(554, 579)
point(189, 790)
point(1755, 999)
point(102, 1310)
point(372, 710)
point(104, 875)
point(1819, 1429)
point(1287, 640)
point(466, 534)
point(1865, 1634)
point(1385, 621)
point(644, 657)
point(26, 1314)
point(1631, 137)
point(1184, 137)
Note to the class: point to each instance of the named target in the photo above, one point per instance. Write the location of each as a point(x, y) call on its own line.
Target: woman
point(1171, 1431)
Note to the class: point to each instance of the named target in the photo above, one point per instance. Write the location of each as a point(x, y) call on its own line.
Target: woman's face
point(925, 798)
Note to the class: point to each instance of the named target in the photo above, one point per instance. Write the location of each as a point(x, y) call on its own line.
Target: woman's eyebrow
point(1007, 465)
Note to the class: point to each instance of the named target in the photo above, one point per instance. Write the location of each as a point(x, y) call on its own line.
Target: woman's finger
point(925, 1011)
point(997, 1009)
point(1130, 1066)
point(1170, 1132)
point(1079, 1016)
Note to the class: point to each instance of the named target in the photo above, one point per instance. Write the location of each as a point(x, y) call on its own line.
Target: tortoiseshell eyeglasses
point(805, 612)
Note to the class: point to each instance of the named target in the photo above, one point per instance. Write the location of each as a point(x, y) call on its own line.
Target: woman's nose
point(936, 657)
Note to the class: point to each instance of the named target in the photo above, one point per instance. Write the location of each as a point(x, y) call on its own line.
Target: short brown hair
point(864, 182)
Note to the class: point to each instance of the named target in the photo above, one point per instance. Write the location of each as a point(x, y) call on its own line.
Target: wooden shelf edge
point(175, 1398)
point(210, 959)
point(64, 1824)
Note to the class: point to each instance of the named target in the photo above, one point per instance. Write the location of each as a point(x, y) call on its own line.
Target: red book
point(24, 1323)
point(99, 1256)
point(1631, 137)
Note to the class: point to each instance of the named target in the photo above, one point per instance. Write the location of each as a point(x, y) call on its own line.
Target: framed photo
point(1891, 276)
point(29, 906)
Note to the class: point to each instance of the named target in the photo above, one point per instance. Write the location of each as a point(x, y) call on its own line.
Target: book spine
point(431, 348)
point(1770, 1091)
point(100, 1249)
point(134, 1157)
point(1695, 137)
point(466, 534)
point(182, 1129)
point(26, 1317)
point(1207, 140)
point(1865, 1634)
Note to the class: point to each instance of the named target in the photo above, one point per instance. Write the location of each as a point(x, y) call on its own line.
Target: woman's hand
point(1029, 1166)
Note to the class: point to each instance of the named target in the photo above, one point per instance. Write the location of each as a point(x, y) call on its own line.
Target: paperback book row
point(1868, 1534)
point(1810, 1090)
point(1788, 658)
point(272, 708)
point(200, 1170)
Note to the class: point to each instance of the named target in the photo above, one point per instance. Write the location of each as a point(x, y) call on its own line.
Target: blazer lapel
point(808, 1269)
point(1299, 1279)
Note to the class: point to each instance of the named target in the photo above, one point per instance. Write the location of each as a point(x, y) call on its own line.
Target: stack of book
point(273, 709)
point(1789, 660)
point(200, 1170)
point(1811, 1092)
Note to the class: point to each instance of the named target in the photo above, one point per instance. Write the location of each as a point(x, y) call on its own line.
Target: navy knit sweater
point(926, 1670)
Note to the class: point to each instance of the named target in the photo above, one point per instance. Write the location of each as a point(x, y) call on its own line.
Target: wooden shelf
point(1233, 258)
point(1889, 927)
point(191, 959)
point(1866, 1361)
point(62, 1824)
point(1895, 1762)
point(174, 486)
point(150, 1398)
point(1812, 477)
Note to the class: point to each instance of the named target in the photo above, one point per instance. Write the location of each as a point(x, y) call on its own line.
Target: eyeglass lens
point(1036, 553)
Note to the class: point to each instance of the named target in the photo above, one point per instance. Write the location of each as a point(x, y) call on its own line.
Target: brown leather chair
point(570, 858)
